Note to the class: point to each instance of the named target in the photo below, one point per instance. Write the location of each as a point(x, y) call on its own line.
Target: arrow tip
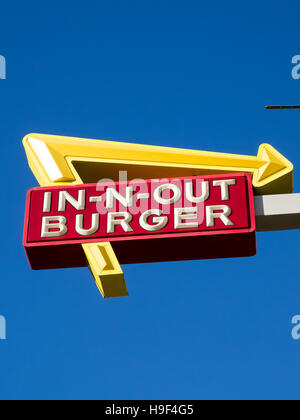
point(275, 176)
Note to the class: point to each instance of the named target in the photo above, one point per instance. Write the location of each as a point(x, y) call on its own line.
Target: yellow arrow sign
point(57, 160)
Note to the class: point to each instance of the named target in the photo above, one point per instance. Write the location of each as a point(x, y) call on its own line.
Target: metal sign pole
point(283, 107)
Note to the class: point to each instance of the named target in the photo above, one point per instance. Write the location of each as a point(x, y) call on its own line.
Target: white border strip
point(277, 212)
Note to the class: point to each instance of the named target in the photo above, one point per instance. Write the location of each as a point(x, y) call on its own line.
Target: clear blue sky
point(186, 74)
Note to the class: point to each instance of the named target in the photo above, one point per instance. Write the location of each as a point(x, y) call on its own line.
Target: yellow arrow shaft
point(160, 155)
point(53, 159)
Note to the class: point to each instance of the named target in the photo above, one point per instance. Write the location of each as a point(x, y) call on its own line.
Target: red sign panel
point(145, 221)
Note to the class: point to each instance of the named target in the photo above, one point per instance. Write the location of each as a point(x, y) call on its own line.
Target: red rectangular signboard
point(145, 221)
